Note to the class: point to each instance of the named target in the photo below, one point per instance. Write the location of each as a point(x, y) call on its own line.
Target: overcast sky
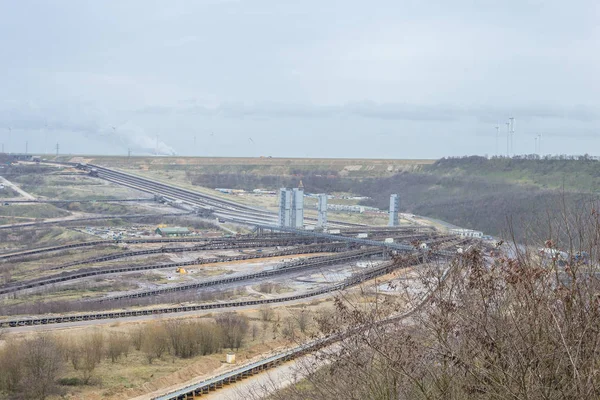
point(377, 79)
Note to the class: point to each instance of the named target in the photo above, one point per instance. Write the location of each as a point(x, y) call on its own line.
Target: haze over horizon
point(385, 79)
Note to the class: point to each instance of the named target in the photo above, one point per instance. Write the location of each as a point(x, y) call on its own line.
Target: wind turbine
point(508, 139)
point(512, 134)
point(46, 137)
point(497, 133)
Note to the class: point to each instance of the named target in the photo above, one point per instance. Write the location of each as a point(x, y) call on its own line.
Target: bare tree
point(117, 346)
point(276, 325)
point(41, 363)
point(264, 327)
point(520, 325)
point(11, 366)
point(6, 276)
point(289, 328)
point(86, 353)
point(266, 313)
point(234, 327)
point(136, 336)
point(155, 341)
point(191, 338)
point(303, 318)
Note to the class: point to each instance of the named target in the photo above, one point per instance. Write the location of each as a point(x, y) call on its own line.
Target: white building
point(285, 207)
point(466, 233)
point(291, 207)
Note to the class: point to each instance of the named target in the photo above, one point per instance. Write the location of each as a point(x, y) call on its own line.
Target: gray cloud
point(435, 72)
point(385, 111)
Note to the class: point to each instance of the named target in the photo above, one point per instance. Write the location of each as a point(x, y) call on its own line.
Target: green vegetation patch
point(8, 193)
point(32, 211)
point(23, 238)
point(103, 208)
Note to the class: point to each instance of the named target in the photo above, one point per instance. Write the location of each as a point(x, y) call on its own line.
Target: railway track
point(285, 268)
point(228, 210)
point(353, 280)
point(380, 230)
point(104, 217)
point(64, 277)
point(147, 184)
point(238, 244)
point(41, 250)
point(140, 200)
point(174, 193)
point(70, 276)
point(350, 239)
point(68, 246)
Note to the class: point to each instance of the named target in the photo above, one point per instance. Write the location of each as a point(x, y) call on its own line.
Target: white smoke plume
point(90, 122)
point(135, 138)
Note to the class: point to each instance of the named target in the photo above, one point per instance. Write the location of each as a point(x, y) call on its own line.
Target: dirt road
point(14, 187)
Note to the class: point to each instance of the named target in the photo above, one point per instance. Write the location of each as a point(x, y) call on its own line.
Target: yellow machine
point(181, 270)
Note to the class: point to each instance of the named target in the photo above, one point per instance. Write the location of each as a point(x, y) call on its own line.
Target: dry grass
point(133, 376)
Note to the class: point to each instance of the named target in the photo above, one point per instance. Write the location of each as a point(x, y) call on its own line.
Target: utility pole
point(57, 147)
point(156, 150)
point(128, 154)
point(26, 147)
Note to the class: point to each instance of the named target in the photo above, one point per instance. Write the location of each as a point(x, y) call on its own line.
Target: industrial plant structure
point(291, 207)
point(394, 207)
point(322, 211)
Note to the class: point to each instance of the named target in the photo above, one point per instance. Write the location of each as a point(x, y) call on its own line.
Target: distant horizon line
point(414, 160)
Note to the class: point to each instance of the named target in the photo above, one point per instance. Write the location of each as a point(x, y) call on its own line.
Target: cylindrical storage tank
point(230, 358)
